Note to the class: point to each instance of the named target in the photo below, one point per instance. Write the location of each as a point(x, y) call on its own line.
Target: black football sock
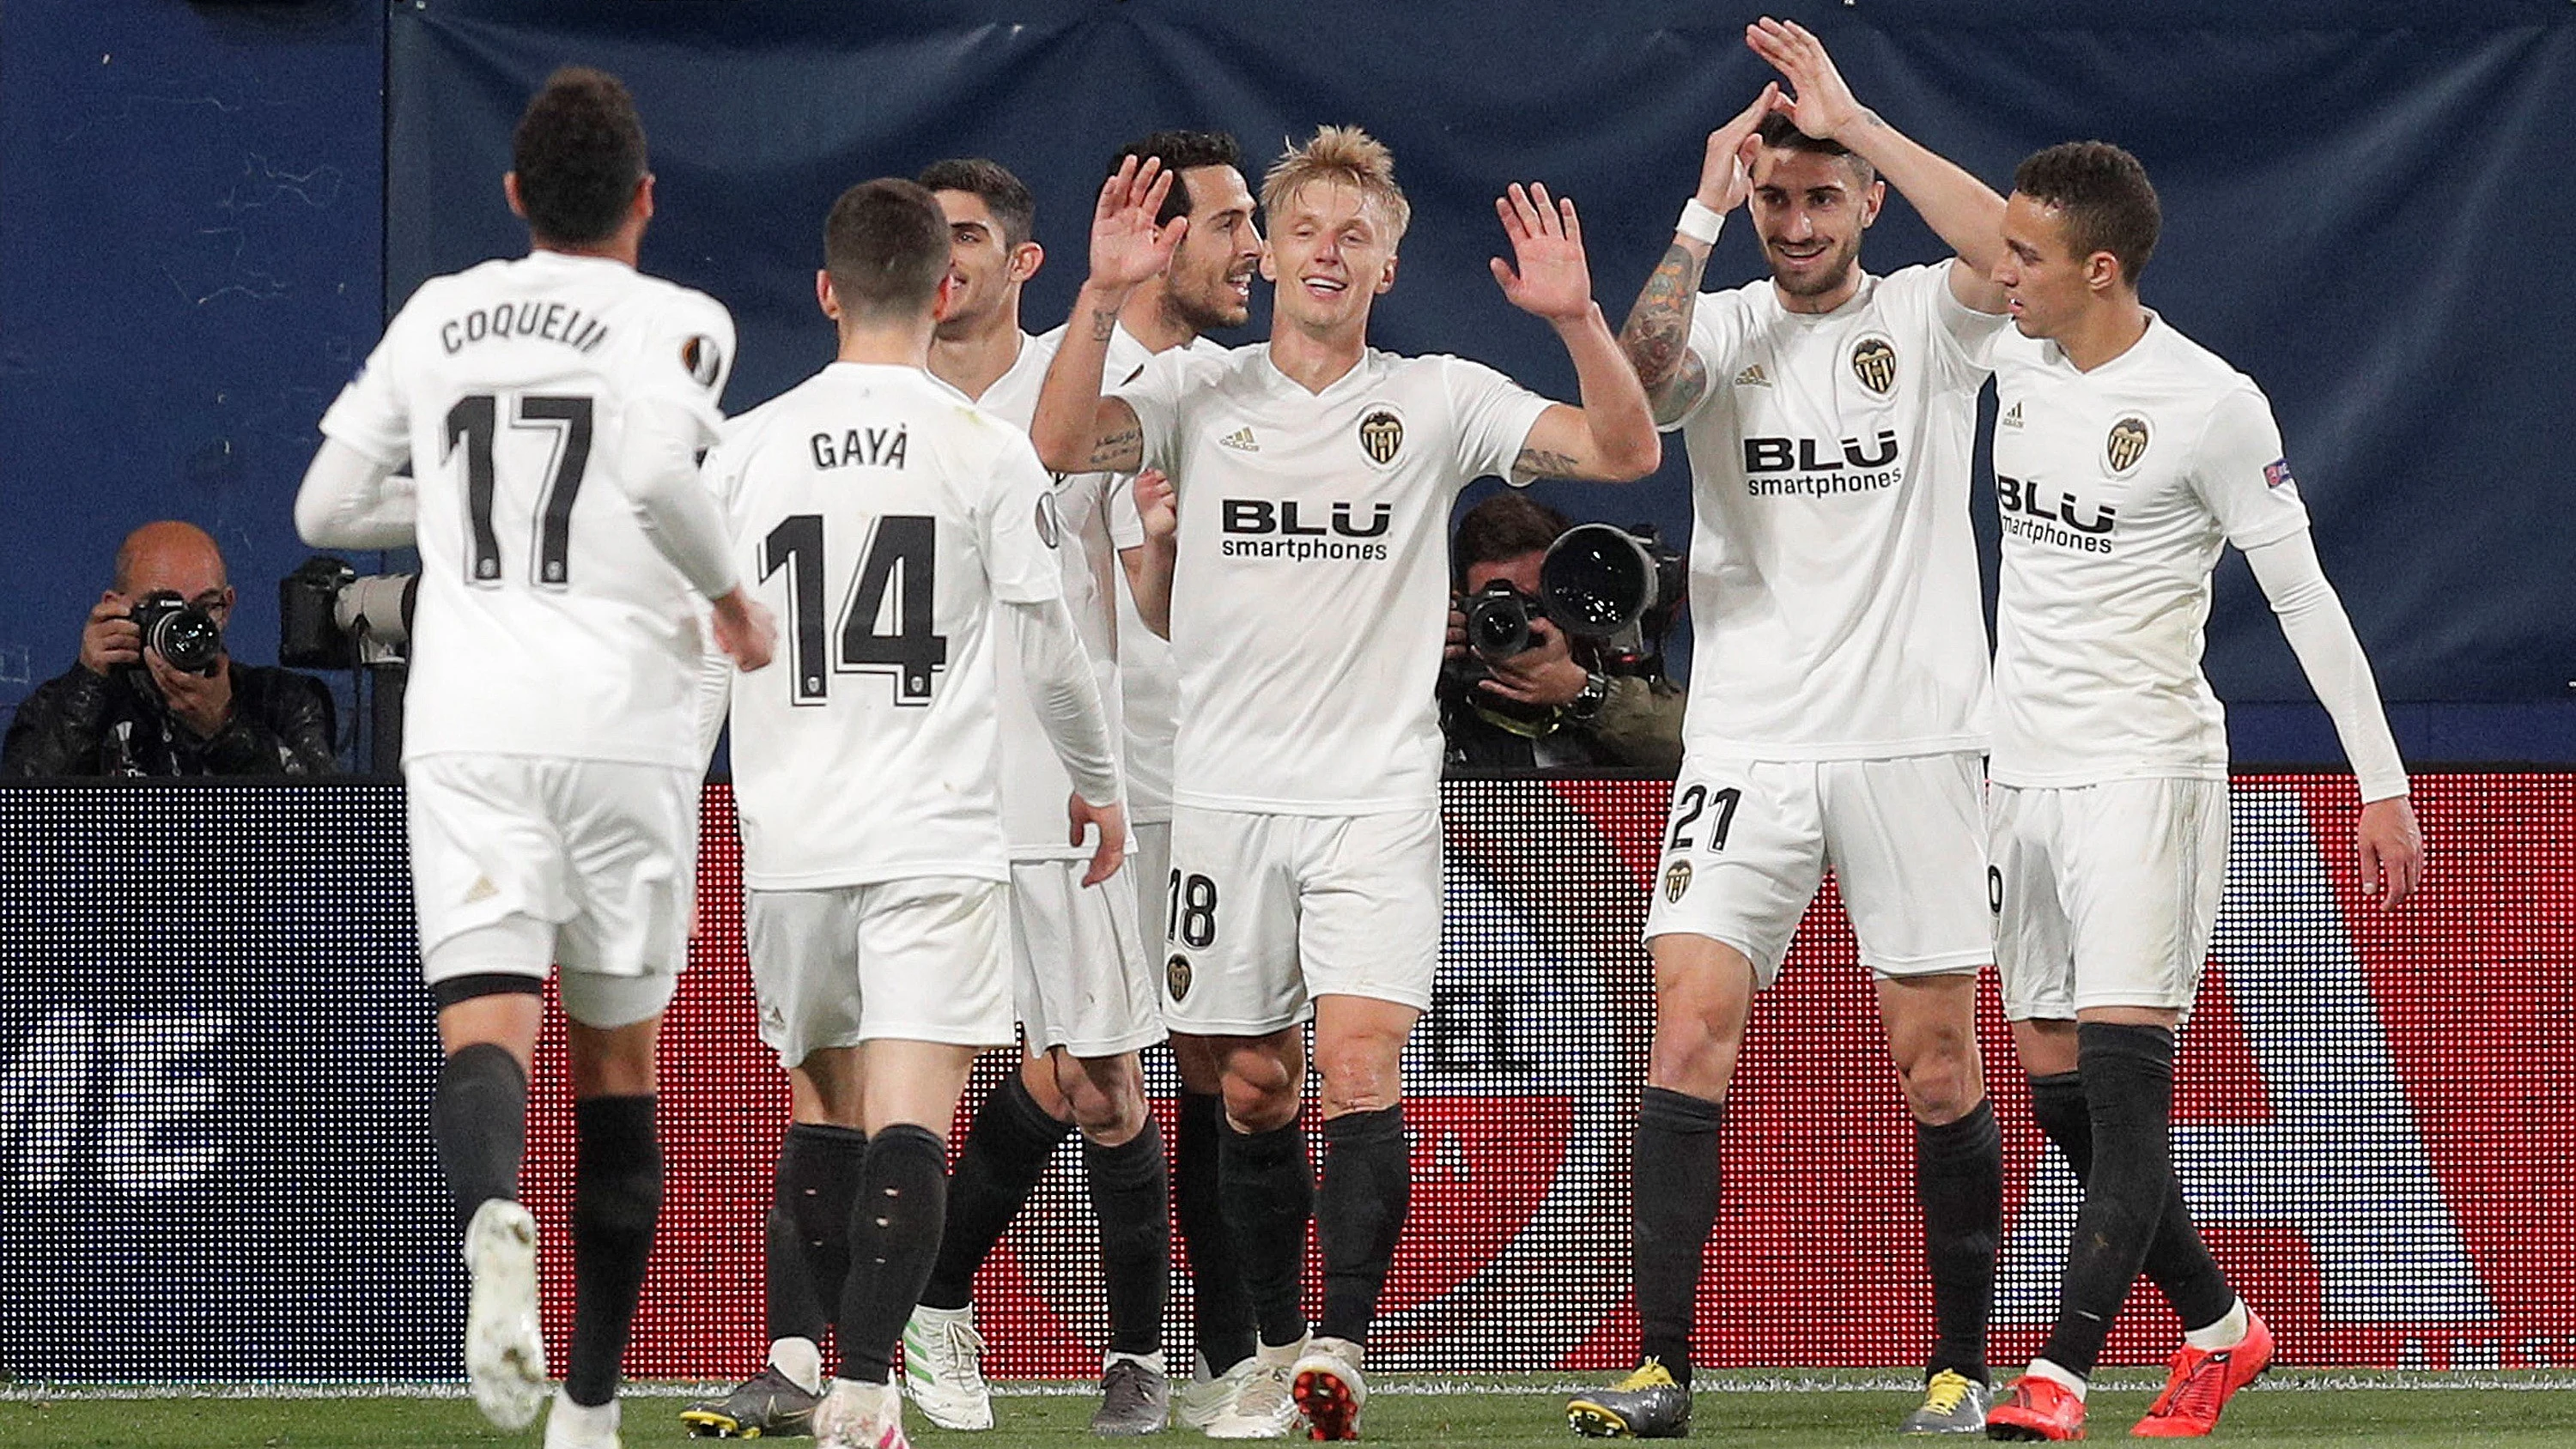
point(1359, 1213)
point(1131, 1195)
point(1269, 1194)
point(1006, 1151)
point(2177, 1262)
point(1959, 1179)
point(616, 1196)
point(2128, 1085)
point(894, 1236)
point(1223, 1308)
point(1673, 1201)
point(819, 1166)
point(479, 1122)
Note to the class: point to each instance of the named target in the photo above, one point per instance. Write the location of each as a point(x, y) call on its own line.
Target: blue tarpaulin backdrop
point(2368, 208)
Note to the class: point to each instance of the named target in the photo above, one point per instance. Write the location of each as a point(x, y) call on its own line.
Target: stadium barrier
point(215, 1062)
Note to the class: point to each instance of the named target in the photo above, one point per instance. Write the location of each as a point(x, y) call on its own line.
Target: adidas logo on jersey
point(1240, 440)
point(2012, 416)
point(1753, 376)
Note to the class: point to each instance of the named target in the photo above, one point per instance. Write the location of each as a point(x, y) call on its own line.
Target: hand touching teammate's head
point(1810, 202)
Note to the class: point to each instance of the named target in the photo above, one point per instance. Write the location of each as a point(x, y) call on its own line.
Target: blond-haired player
point(1297, 558)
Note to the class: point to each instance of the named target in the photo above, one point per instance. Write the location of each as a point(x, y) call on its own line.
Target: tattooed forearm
point(1675, 399)
point(1104, 323)
point(1543, 463)
point(1657, 335)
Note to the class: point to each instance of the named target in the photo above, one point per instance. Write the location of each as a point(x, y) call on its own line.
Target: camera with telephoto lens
point(1621, 586)
point(186, 637)
point(329, 616)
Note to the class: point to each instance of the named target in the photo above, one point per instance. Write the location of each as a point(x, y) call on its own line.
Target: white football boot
point(943, 1368)
point(1198, 1402)
point(1262, 1407)
point(571, 1426)
point(1329, 1391)
point(505, 1346)
point(860, 1416)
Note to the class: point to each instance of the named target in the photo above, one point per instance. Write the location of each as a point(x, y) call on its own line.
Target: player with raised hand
point(912, 540)
point(551, 407)
point(1304, 583)
point(1838, 695)
point(2127, 458)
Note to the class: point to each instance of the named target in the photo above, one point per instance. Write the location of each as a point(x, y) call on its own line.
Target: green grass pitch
point(1789, 1411)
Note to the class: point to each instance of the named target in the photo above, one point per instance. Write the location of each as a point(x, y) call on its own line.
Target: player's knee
point(1362, 1076)
point(1262, 1099)
point(1107, 1098)
point(1693, 1053)
point(1942, 1086)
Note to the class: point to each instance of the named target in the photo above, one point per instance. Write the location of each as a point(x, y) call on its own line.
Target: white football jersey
point(1149, 684)
point(1035, 787)
point(1834, 601)
point(881, 517)
point(547, 623)
point(1310, 598)
point(2117, 488)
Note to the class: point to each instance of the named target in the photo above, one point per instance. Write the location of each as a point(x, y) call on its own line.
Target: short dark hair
point(1179, 151)
point(579, 153)
point(1002, 193)
point(2104, 194)
point(886, 246)
point(1779, 133)
point(1506, 525)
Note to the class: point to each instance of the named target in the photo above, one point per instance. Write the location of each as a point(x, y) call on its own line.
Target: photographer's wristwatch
point(1585, 707)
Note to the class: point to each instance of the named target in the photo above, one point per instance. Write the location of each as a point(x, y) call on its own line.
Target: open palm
point(1548, 275)
point(1127, 247)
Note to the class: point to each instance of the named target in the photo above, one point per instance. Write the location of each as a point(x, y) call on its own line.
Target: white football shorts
point(923, 959)
point(1746, 844)
point(2105, 895)
point(1082, 977)
point(1149, 865)
point(1268, 912)
point(524, 863)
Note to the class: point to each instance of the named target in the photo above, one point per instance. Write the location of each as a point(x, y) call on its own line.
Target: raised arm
point(1656, 338)
point(1076, 430)
point(1611, 437)
point(1964, 212)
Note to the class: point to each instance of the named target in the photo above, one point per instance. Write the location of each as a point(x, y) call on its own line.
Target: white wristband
point(1699, 223)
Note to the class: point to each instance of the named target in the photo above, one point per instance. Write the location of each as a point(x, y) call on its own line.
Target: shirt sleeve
point(678, 380)
point(1021, 530)
point(2321, 635)
point(2240, 474)
point(1155, 395)
point(1493, 416)
point(372, 415)
point(1962, 339)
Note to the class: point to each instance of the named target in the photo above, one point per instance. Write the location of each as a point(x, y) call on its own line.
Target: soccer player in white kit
point(911, 540)
point(551, 408)
point(1306, 593)
point(1838, 690)
point(2127, 457)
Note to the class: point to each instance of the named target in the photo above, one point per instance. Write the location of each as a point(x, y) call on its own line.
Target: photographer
point(1551, 705)
point(175, 703)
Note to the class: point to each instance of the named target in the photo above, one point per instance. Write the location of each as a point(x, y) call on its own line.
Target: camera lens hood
point(1596, 580)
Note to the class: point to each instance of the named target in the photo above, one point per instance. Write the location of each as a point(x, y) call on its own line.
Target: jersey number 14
point(899, 564)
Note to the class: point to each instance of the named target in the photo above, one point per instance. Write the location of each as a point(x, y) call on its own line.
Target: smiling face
point(984, 270)
point(1809, 210)
point(2046, 285)
point(1331, 252)
point(1209, 280)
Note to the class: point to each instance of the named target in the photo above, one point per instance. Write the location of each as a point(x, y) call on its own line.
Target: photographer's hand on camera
point(1546, 674)
point(110, 640)
point(202, 703)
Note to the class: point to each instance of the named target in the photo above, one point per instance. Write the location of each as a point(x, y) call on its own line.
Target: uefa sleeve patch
point(2276, 474)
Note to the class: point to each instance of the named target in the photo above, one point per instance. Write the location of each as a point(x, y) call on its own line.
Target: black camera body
point(186, 637)
point(1499, 616)
point(329, 616)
